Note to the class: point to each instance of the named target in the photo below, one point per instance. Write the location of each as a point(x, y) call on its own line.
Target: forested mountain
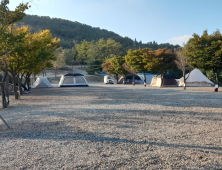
point(74, 32)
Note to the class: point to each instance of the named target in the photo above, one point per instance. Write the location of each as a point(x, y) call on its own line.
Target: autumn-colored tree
point(108, 67)
point(160, 61)
point(17, 56)
point(41, 52)
point(7, 19)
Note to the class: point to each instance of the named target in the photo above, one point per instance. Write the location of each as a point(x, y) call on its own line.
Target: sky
point(163, 21)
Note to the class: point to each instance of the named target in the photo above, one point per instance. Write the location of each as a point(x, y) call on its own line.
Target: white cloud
point(180, 40)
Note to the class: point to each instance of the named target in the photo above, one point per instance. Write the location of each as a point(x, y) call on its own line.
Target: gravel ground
point(113, 127)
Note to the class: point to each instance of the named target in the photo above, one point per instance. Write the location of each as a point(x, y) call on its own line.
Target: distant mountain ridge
point(70, 32)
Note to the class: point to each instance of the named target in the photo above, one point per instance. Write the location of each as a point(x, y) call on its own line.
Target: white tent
point(196, 78)
point(41, 82)
point(73, 80)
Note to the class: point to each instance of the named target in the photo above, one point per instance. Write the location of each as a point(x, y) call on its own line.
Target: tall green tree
point(135, 59)
point(205, 52)
point(117, 63)
point(82, 51)
point(59, 59)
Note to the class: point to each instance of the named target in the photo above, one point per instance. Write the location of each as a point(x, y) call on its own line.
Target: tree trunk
point(217, 80)
point(144, 74)
point(4, 87)
point(19, 85)
point(27, 81)
point(116, 78)
point(55, 71)
point(161, 81)
point(16, 94)
point(124, 79)
point(184, 80)
point(4, 103)
point(134, 80)
point(7, 89)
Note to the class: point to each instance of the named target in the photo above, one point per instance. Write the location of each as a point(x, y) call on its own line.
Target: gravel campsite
point(113, 127)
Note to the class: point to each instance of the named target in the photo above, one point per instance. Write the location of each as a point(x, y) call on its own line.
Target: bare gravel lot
point(113, 127)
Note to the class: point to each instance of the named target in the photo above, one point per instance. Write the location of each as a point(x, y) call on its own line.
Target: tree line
point(203, 52)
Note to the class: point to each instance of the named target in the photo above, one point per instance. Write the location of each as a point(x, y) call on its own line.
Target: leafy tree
point(135, 59)
point(82, 51)
point(41, 52)
point(7, 19)
point(114, 66)
point(97, 52)
point(129, 70)
point(17, 55)
point(160, 61)
point(117, 63)
point(59, 59)
point(108, 67)
point(205, 52)
point(70, 56)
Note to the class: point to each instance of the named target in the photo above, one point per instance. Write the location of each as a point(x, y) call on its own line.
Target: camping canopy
point(196, 78)
point(41, 82)
point(73, 80)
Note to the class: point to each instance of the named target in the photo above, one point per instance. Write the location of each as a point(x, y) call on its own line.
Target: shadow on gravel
point(57, 131)
point(51, 131)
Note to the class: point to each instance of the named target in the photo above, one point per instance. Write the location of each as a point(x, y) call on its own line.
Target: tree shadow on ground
point(58, 131)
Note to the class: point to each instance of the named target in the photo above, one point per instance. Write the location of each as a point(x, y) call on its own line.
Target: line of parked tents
point(67, 80)
point(195, 78)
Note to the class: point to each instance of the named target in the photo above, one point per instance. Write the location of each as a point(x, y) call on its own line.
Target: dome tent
point(41, 82)
point(73, 80)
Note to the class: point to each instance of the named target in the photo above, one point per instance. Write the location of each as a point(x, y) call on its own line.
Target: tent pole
point(5, 122)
